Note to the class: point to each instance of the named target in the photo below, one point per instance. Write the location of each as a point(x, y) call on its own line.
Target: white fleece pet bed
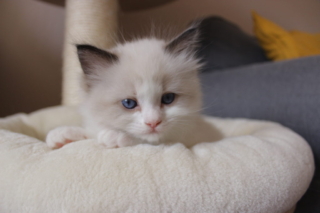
point(258, 167)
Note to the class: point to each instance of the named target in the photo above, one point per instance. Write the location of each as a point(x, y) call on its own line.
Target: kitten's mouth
point(153, 131)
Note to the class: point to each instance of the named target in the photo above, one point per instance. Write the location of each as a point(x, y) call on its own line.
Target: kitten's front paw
point(60, 136)
point(114, 139)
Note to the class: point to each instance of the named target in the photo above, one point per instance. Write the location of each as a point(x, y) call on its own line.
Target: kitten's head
point(147, 88)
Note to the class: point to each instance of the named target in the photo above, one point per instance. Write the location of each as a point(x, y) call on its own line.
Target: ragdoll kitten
point(145, 91)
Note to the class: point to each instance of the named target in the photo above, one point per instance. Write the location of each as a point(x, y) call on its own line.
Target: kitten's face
point(146, 91)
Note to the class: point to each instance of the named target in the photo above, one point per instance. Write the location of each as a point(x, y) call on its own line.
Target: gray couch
point(287, 92)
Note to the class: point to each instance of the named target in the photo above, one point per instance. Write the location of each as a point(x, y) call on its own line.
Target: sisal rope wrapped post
point(87, 22)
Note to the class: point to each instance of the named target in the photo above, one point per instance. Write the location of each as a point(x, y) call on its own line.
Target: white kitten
point(145, 91)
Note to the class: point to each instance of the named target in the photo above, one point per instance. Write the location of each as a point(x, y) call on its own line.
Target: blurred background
point(32, 32)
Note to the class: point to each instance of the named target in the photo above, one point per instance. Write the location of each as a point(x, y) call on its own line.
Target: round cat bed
point(256, 167)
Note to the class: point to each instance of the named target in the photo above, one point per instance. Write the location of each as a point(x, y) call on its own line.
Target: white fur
point(65, 134)
point(144, 72)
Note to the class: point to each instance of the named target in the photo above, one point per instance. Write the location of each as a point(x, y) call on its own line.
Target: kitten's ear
point(92, 58)
point(187, 41)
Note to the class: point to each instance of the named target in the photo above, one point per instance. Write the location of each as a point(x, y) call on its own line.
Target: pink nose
point(153, 124)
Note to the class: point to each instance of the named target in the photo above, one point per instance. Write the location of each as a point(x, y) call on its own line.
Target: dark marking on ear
point(186, 41)
point(90, 57)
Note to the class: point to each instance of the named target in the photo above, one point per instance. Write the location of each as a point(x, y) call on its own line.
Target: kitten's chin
point(152, 138)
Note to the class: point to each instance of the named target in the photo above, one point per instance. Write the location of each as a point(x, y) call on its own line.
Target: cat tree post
point(87, 22)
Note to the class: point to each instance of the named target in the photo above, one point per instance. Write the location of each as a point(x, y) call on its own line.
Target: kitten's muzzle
point(153, 124)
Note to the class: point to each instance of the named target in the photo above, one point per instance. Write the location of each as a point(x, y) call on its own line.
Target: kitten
point(144, 91)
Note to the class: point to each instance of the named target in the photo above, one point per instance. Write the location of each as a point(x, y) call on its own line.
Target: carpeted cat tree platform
point(257, 167)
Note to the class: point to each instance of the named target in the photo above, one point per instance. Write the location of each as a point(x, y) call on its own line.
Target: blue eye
point(129, 103)
point(168, 98)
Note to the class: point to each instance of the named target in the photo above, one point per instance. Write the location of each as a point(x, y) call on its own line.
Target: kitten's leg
point(60, 136)
point(114, 139)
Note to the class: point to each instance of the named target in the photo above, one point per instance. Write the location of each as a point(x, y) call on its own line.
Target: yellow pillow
point(280, 44)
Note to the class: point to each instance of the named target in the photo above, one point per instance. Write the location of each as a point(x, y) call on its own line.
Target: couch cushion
point(225, 45)
point(287, 92)
point(281, 44)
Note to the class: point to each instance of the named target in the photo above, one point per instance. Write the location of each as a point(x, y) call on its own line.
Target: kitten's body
point(142, 71)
